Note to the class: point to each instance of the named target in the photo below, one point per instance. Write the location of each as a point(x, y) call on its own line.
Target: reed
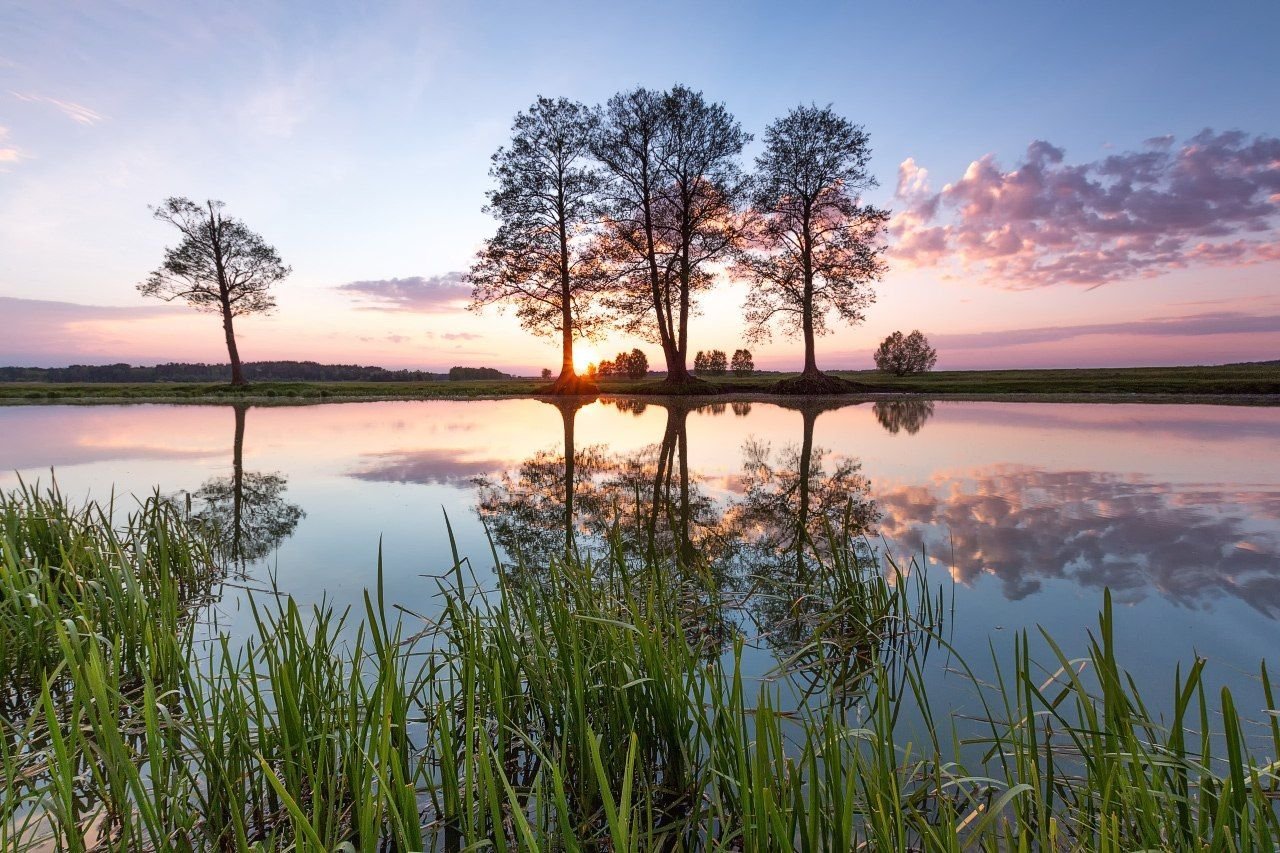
point(580, 705)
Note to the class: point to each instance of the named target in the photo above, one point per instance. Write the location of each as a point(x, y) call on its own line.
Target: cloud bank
point(447, 292)
point(1213, 200)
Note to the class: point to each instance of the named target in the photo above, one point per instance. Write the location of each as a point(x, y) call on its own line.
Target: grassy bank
point(1255, 382)
point(575, 706)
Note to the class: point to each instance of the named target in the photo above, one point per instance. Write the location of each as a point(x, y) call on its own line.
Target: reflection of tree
point(803, 528)
point(1025, 525)
point(741, 409)
point(246, 513)
point(635, 407)
point(531, 513)
point(898, 415)
point(645, 504)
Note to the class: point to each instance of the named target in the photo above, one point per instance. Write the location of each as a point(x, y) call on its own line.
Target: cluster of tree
point(185, 372)
point(458, 373)
point(623, 213)
point(716, 363)
point(902, 354)
point(620, 215)
point(713, 362)
point(633, 365)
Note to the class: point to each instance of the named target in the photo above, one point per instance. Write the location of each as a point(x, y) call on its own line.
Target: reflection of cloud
point(1025, 525)
point(43, 438)
point(1213, 200)
point(1138, 423)
point(415, 293)
point(438, 465)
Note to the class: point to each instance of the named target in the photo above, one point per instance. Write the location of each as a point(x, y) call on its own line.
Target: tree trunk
point(237, 374)
point(810, 359)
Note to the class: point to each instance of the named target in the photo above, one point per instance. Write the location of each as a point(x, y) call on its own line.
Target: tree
point(672, 199)
point(546, 373)
point(545, 205)
point(742, 365)
point(900, 355)
point(814, 247)
point(701, 362)
point(219, 266)
point(717, 362)
point(637, 366)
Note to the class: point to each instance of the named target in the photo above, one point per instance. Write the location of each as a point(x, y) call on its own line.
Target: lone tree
point(219, 266)
point(545, 205)
point(742, 364)
point(672, 200)
point(815, 246)
point(902, 354)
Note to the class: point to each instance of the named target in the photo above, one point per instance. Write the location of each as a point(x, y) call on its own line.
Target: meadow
point(1256, 383)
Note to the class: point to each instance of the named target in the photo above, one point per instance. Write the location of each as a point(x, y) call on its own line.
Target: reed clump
point(581, 706)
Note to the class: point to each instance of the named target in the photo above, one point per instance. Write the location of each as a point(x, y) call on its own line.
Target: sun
point(583, 355)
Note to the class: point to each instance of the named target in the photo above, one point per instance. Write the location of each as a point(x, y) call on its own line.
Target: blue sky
point(356, 137)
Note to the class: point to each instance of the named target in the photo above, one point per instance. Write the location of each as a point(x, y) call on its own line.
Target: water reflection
point(245, 513)
point(898, 415)
point(792, 504)
point(1026, 525)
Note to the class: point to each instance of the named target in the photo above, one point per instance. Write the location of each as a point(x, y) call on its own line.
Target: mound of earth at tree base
point(815, 384)
point(691, 386)
point(572, 385)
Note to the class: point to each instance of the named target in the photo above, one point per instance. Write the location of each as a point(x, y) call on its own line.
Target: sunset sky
point(1073, 184)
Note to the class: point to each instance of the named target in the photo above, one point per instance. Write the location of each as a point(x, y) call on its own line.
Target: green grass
point(575, 706)
point(1254, 381)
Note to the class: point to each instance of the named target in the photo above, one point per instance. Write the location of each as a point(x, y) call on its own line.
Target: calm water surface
point(1030, 509)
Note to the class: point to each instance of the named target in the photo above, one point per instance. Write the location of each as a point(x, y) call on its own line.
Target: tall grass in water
point(579, 707)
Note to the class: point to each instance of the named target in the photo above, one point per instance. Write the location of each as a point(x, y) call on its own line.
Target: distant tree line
point(281, 371)
point(633, 365)
point(461, 373)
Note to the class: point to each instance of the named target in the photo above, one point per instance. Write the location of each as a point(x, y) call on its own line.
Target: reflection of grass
point(1232, 380)
point(577, 712)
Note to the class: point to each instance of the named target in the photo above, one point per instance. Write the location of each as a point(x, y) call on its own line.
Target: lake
point(1024, 512)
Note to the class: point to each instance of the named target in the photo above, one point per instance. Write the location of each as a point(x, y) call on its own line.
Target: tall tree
point(220, 266)
point(544, 202)
point(672, 199)
point(815, 247)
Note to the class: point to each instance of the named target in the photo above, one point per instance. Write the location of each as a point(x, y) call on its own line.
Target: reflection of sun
point(584, 354)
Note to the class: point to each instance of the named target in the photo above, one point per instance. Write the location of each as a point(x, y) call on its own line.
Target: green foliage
point(713, 363)
point(905, 354)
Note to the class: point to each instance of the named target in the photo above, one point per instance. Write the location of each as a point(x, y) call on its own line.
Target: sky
point(1084, 184)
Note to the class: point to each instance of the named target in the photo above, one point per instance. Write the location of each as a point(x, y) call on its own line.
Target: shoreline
point(691, 400)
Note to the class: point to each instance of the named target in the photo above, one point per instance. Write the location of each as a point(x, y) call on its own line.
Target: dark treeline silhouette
point(198, 372)
point(458, 373)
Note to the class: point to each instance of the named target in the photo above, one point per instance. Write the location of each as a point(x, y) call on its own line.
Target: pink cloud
point(1211, 201)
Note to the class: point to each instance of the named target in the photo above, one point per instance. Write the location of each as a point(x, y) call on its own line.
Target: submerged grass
point(581, 706)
